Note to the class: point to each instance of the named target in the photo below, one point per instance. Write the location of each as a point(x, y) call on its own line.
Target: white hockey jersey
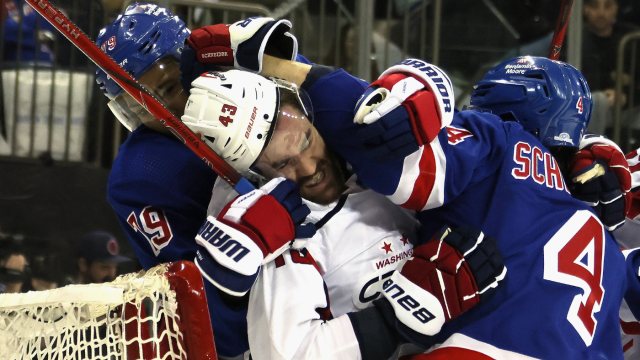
point(361, 239)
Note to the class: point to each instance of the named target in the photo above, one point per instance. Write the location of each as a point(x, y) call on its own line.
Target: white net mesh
point(134, 317)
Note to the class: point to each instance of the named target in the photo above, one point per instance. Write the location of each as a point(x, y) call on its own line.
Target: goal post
point(156, 314)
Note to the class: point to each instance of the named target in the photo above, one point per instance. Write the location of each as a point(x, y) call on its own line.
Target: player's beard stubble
point(335, 184)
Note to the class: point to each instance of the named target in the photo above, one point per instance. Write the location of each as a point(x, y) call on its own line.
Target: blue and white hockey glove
point(241, 45)
point(404, 109)
point(250, 231)
point(445, 277)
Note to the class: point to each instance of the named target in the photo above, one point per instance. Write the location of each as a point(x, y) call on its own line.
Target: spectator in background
point(601, 37)
point(600, 44)
point(12, 263)
point(35, 35)
point(98, 255)
point(44, 271)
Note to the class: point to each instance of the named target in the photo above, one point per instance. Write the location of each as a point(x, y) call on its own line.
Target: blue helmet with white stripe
point(550, 99)
point(137, 39)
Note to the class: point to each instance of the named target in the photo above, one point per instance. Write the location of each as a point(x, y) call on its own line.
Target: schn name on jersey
point(538, 164)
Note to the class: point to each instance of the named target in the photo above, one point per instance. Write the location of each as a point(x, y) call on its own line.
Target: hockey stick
point(140, 94)
point(561, 28)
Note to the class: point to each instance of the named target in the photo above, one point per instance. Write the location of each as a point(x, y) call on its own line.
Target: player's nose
point(306, 166)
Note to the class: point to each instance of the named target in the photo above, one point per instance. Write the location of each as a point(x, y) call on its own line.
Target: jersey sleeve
point(159, 191)
point(289, 315)
point(467, 151)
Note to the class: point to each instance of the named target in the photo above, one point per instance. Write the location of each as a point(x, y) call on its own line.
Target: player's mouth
point(315, 179)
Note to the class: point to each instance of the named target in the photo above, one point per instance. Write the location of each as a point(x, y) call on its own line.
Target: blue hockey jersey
point(566, 276)
point(160, 190)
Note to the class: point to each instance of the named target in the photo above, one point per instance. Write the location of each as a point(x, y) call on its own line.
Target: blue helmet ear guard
point(137, 39)
point(550, 99)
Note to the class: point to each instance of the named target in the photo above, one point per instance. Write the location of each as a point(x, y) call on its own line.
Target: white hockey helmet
point(236, 113)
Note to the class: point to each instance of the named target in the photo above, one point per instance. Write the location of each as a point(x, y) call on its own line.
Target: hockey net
point(157, 314)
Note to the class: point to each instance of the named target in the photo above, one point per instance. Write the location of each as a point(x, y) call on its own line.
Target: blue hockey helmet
point(137, 39)
point(550, 99)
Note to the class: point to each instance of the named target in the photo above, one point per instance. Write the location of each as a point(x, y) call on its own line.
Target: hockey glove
point(242, 45)
point(447, 276)
point(250, 231)
point(601, 178)
point(404, 109)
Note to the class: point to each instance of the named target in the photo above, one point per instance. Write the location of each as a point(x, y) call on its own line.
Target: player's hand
point(241, 45)
point(250, 231)
point(445, 277)
point(402, 111)
point(600, 177)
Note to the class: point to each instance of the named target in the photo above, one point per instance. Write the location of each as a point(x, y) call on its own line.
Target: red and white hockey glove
point(445, 277)
point(600, 177)
point(250, 231)
point(404, 109)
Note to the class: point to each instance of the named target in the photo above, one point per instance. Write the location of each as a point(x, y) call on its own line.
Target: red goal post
point(156, 314)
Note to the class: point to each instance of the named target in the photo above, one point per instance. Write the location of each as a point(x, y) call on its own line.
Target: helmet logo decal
point(251, 120)
point(215, 74)
point(564, 136)
point(579, 106)
point(225, 120)
point(111, 44)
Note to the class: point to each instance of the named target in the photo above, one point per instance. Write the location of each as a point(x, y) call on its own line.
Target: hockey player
point(473, 166)
point(158, 188)
point(261, 128)
point(503, 180)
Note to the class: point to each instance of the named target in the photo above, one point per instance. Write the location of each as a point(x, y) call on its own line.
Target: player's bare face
point(100, 272)
point(298, 152)
point(163, 82)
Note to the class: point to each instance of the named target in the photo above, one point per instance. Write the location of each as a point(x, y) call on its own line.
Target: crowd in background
point(34, 265)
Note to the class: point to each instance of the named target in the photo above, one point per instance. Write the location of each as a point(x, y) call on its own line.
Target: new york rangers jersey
point(160, 190)
point(567, 277)
point(298, 305)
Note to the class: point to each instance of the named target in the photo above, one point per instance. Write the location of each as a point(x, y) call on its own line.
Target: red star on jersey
point(404, 241)
point(387, 248)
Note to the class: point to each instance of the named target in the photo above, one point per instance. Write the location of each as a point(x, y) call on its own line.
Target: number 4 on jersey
point(456, 135)
point(575, 256)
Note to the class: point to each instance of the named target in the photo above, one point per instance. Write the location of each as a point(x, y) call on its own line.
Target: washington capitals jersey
point(160, 190)
point(299, 302)
point(564, 286)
